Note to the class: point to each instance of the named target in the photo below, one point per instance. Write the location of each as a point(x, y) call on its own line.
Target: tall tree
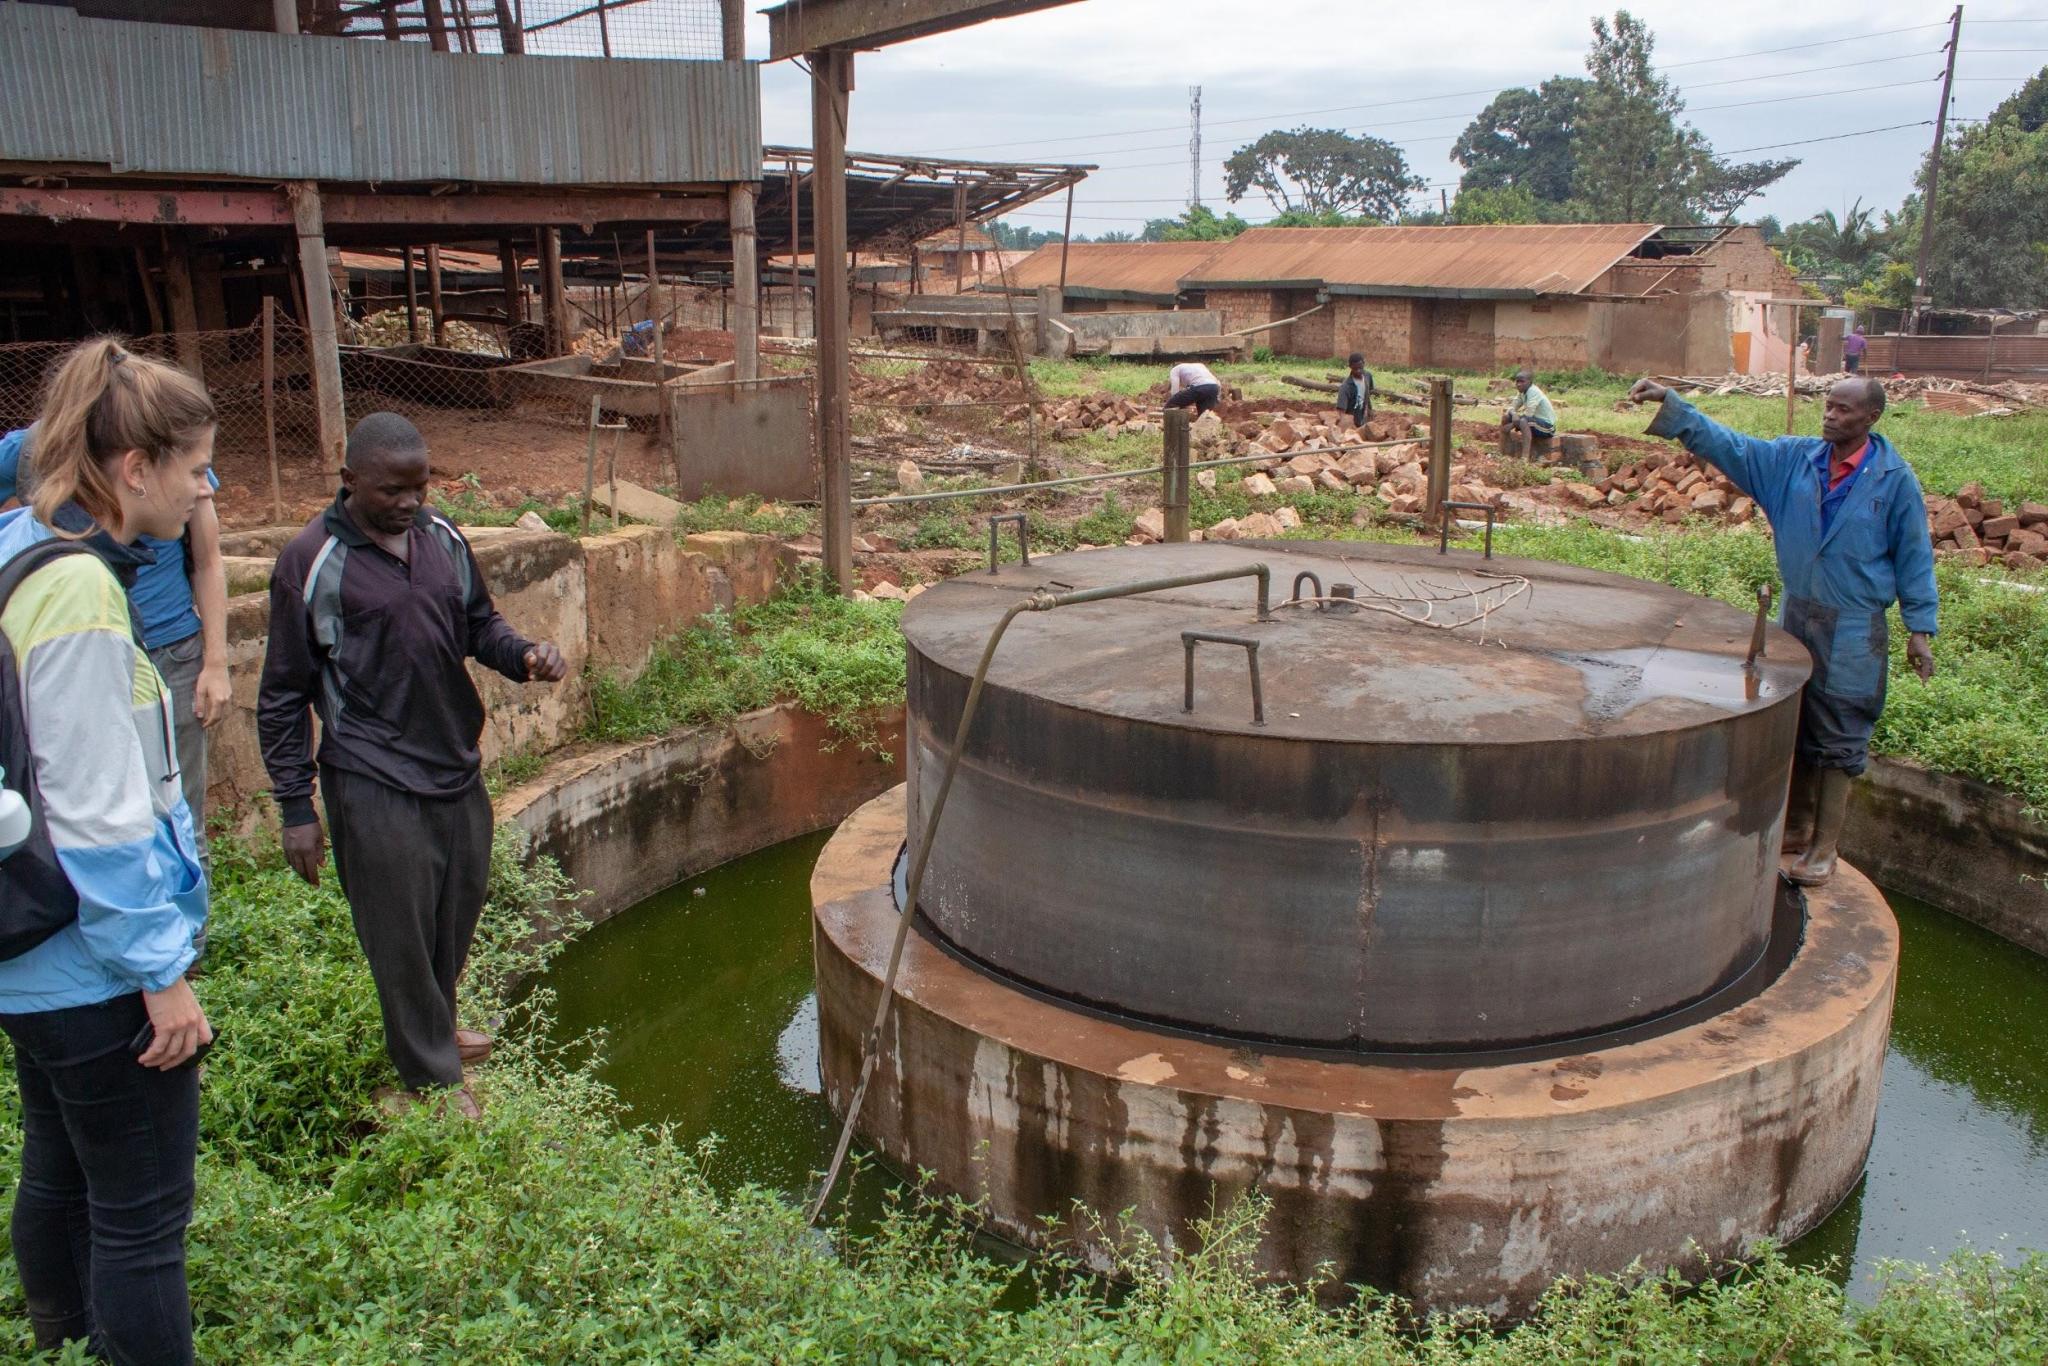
point(1636, 161)
point(1850, 248)
point(1991, 236)
point(1524, 140)
point(1198, 224)
point(1320, 171)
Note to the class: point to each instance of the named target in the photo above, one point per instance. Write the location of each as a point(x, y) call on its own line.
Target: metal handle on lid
point(1190, 639)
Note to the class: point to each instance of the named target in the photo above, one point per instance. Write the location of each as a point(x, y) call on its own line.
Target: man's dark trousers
point(414, 870)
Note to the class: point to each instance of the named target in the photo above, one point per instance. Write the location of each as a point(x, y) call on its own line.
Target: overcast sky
point(1106, 81)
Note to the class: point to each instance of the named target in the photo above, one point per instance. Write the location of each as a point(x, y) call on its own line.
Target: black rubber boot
point(1831, 812)
point(1799, 809)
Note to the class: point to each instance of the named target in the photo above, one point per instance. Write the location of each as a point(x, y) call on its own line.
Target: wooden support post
point(270, 405)
point(732, 16)
point(1175, 501)
point(960, 236)
point(434, 308)
point(323, 343)
point(508, 282)
point(554, 300)
point(796, 244)
point(510, 36)
point(1439, 450)
point(664, 424)
point(437, 24)
point(831, 86)
point(746, 286)
point(149, 299)
point(412, 299)
point(1791, 368)
point(284, 15)
point(590, 470)
point(184, 307)
point(1066, 238)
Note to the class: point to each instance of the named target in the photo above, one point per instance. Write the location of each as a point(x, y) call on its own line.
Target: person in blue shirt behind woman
point(104, 1025)
point(1852, 539)
point(183, 602)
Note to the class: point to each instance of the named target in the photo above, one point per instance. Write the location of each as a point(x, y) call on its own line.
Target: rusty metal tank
point(1489, 804)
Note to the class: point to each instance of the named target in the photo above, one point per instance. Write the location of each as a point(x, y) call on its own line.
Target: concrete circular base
point(1449, 1187)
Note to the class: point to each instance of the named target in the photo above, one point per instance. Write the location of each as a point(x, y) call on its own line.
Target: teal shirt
point(1535, 405)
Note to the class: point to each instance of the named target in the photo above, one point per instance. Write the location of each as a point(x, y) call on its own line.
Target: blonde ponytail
point(103, 401)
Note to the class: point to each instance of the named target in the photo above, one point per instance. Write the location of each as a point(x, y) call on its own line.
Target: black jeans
point(107, 1152)
point(414, 870)
point(1201, 397)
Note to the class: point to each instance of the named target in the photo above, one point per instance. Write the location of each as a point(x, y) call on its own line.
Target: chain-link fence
point(261, 395)
point(564, 28)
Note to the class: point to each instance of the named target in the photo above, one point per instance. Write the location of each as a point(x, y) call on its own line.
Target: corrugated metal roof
point(1116, 268)
point(171, 100)
point(948, 239)
point(1507, 260)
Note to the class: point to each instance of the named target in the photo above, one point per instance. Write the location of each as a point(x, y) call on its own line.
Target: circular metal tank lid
point(1491, 803)
point(1542, 652)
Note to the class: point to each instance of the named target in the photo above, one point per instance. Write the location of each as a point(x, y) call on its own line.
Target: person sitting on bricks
point(1530, 416)
point(1354, 395)
point(374, 609)
point(1192, 384)
point(1852, 538)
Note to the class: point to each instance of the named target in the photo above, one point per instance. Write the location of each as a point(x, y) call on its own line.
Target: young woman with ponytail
point(104, 1025)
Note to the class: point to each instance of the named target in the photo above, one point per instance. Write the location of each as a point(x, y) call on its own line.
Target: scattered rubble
point(1960, 396)
point(1983, 531)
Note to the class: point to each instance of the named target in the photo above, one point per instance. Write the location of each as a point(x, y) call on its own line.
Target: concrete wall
point(625, 821)
point(1461, 334)
point(1125, 321)
point(606, 601)
point(1386, 330)
point(1548, 334)
point(1961, 844)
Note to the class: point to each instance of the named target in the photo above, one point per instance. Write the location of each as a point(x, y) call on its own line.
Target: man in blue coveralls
point(1852, 538)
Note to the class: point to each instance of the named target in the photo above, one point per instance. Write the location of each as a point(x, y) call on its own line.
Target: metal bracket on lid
point(1188, 641)
point(1443, 534)
point(1023, 537)
point(1758, 633)
point(1306, 576)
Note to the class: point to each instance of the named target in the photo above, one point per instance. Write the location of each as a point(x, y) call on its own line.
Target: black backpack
point(36, 898)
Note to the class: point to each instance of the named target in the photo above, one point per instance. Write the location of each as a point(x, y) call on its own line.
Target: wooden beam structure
point(803, 26)
point(179, 294)
point(265, 208)
point(746, 286)
point(831, 90)
point(323, 342)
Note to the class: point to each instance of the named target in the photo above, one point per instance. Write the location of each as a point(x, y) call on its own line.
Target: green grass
point(2007, 455)
point(551, 1232)
point(838, 658)
point(716, 513)
point(471, 506)
point(1985, 713)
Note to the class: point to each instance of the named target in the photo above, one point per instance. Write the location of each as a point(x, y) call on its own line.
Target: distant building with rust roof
point(1617, 296)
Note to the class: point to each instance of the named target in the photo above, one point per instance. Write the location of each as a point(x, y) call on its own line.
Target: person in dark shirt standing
point(1354, 395)
point(374, 608)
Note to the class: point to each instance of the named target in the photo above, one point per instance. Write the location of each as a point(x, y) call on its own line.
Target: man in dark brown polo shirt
point(374, 608)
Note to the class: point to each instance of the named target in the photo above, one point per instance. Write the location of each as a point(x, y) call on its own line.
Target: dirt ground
point(532, 452)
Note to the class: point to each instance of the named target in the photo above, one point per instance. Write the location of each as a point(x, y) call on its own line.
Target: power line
point(1832, 137)
point(1451, 95)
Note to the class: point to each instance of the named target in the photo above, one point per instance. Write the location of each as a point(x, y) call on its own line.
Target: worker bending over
point(1191, 385)
point(1852, 538)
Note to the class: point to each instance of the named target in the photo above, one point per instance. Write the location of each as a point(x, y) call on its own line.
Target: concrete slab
point(642, 505)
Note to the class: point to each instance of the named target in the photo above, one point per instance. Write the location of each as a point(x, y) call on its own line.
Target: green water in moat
point(704, 994)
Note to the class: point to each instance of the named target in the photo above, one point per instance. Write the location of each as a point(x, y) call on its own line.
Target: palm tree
point(1848, 246)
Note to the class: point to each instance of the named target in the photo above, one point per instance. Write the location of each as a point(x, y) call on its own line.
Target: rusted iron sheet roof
point(171, 100)
point(1114, 269)
point(948, 239)
point(1495, 261)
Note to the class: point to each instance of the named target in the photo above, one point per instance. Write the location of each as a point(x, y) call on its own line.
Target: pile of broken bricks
point(1982, 531)
point(1673, 489)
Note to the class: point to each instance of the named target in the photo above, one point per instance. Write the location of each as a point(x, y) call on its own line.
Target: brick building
point(1631, 297)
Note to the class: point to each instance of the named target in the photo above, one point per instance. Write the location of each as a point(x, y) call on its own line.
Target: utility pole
point(1195, 147)
point(1921, 295)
